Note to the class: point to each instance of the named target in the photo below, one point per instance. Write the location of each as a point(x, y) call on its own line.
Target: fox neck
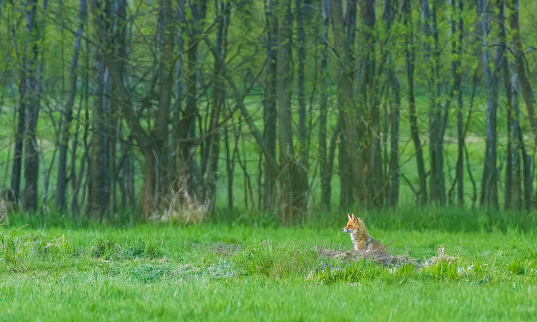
point(358, 237)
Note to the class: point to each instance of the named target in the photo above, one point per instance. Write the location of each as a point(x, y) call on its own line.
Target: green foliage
point(444, 270)
point(516, 268)
point(363, 270)
point(149, 250)
point(106, 249)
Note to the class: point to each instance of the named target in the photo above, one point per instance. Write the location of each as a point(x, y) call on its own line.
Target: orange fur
point(360, 237)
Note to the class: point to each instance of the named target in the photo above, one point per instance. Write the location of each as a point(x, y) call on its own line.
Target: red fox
point(361, 239)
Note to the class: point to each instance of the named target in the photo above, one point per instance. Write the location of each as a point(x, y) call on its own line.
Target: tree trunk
point(19, 140)
point(393, 192)
point(517, 150)
point(61, 187)
point(489, 189)
point(229, 169)
point(119, 50)
point(285, 128)
point(177, 108)
point(270, 105)
point(76, 184)
point(325, 171)
point(301, 54)
point(303, 149)
point(122, 47)
point(350, 166)
point(414, 130)
point(210, 162)
point(512, 168)
point(292, 190)
point(160, 132)
point(190, 171)
point(523, 80)
point(394, 112)
point(456, 67)
point(436, 182)
point(368, 99)
point(31, 104)
point(99, 193)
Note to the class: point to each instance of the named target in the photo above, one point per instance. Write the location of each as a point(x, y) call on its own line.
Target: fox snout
point(345, 230)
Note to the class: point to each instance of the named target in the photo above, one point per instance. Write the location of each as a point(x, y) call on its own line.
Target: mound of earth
point(383, 259)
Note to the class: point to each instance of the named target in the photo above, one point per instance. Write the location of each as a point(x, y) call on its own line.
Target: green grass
point(237, 272)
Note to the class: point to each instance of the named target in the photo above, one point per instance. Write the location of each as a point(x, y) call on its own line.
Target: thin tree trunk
point(292, 189)
point(19, 140)
point(393, 192)
point(229, 169)
point(31, 104)
point(350, 167)
point(189, 165)
point(528, 179)
point(368, 99)
point(520, 64)
point(20, 125)
point(119, 49)
point(325, 172)
point(99, 194)
point(74, 145)
point(410, 58)
point(124, 167)
point(156, 157)
point(429, 27)
point(270, 105)
point(513, 159)
point(489, 189)
point(85, 102)
point(61, 186)
point(212, 155)
point(176, 114)
point(517, 150)
point(523, 80)
point(128, 174)
point(301, 53)
point(303, 130)
point(456, 72)
point(394, 112)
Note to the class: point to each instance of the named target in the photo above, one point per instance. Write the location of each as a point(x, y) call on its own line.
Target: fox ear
point(353, 217)
point(349, 216)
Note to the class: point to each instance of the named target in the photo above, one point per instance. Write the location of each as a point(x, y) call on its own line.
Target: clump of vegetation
point(106, 249)
point(151, 250)
point(181, 208)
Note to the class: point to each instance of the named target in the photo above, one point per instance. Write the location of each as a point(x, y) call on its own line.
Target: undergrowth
point(443, 219)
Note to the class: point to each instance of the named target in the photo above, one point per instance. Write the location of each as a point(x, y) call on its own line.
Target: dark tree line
point(276, 105)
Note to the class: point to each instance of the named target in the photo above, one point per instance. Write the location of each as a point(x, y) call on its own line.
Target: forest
point(195, 160)
point(274, 106)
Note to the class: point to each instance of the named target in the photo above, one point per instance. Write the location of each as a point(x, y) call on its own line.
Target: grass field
point(237, 272)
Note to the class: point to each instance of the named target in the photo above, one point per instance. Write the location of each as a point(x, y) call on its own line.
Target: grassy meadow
point(232, 272)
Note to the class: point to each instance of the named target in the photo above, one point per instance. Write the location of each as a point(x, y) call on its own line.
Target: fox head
point(353, 226)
